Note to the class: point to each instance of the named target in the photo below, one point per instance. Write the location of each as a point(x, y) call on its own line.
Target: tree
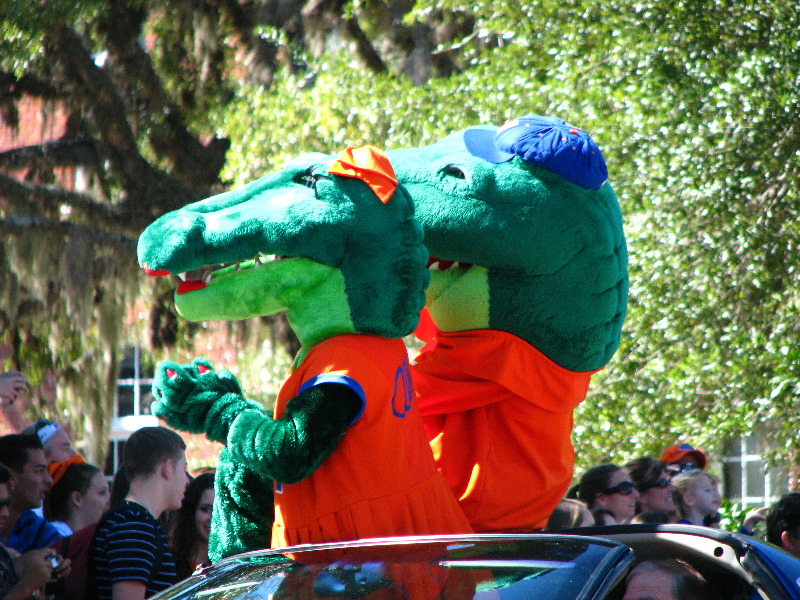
point(695, 106)
point(139, 82)
point(136, 129)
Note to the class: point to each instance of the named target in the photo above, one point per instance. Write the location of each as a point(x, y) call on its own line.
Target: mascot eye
point(309, 180)
point(454, 171)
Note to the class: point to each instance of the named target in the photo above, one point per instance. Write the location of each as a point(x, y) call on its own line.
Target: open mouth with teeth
point(207, 274)
point(437, 264)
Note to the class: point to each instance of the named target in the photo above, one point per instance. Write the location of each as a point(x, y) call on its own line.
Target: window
point(746, 478)
point(131, 409)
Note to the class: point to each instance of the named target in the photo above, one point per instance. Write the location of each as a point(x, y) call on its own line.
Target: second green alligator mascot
point(346, 446)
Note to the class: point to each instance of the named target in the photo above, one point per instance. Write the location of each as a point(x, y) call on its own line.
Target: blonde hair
point(686, 482)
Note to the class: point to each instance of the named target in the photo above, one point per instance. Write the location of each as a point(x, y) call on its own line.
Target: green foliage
point(695, 106)
point(733, 516)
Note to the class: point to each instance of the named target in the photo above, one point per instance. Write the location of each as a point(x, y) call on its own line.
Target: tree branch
point(16, 225)
point(32, 198)
point(151, 189)
point(366, 50)
point(59, 153)
point(192, 161)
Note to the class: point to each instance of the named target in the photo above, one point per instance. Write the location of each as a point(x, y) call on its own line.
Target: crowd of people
point(66, 534)
point(674, 488)
point(66, 531)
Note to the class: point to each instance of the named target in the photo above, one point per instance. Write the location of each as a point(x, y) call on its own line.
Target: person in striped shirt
point(130, 558)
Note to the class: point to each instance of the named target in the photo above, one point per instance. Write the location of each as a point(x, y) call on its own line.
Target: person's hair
point(185, 539)
point(120, 486)
point(572, 492)
point(77, 478)
point(5, 476)
point(684, 483)
point(600, 515)
point(784, 515)
point(595, 481)
point(567, 514)
point(644, 472)
point(15, 447)
point(687, 583)
point(149, 447)
point(651, 516)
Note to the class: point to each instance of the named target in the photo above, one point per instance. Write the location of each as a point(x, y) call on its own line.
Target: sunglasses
point(625, 489)
point(661, 483)
point(675, 468)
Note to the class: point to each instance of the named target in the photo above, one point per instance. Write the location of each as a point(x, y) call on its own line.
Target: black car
point(582, 563)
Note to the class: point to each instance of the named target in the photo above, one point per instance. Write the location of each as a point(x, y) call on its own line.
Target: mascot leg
point(243, 509)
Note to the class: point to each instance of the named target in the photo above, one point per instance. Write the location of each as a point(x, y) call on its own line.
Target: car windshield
point(537, 569)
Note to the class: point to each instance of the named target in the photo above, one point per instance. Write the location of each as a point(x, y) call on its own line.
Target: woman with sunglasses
point(609, 486)
point(653, 483)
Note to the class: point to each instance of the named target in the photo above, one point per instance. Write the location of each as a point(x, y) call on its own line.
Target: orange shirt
point(381, 479)
point(498, 414)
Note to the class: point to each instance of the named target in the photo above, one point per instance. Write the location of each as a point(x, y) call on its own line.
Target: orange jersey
point(498, 414)
point(381, 480)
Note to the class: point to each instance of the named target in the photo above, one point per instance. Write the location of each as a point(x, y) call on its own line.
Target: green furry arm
point(195, 398)
point(289, 449)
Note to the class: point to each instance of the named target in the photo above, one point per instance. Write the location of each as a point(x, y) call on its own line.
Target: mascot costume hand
point(335, 244)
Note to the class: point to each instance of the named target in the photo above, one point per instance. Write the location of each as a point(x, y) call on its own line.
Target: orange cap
point(679, 451)
point(370, 165)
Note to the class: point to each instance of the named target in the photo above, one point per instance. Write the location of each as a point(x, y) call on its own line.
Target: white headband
point(47, 432)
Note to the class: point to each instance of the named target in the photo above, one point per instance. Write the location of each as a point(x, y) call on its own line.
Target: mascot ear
point(370, 165)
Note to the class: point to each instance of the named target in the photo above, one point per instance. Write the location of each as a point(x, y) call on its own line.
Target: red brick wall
point(39, 121)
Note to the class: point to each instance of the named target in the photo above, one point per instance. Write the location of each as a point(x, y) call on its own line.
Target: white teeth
point(207, 279)
point(456, 265)
point(434, 266)
point(182, 276)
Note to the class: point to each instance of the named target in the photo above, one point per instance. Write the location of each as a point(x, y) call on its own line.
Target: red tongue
point(190, 285)
point(155, 272)
point(446, 264)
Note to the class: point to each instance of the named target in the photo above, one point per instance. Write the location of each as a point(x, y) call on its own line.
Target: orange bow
point(370, 165)
point(58, 469)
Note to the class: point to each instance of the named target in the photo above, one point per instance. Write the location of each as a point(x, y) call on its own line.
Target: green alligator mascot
point(334, 243)
point(527, 298)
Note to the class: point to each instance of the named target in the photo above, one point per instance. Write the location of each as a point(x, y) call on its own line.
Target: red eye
point(202, 369)
point(170, 373)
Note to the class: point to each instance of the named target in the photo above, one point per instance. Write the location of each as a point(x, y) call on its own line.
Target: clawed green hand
point(194, 397)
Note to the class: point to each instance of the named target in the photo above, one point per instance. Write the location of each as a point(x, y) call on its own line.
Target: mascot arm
point(290, 448)
point(194, 397)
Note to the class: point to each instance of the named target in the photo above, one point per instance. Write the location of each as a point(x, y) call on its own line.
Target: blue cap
point(547, 142)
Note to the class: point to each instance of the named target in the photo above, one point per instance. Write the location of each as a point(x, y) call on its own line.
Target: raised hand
point(194, 397)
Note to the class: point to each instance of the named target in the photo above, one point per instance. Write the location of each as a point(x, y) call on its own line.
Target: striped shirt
point(129, 545)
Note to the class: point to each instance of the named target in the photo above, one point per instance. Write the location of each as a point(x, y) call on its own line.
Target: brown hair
point(595, 481)
point(567, 514)
point(687, 583)
point(147, 448)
